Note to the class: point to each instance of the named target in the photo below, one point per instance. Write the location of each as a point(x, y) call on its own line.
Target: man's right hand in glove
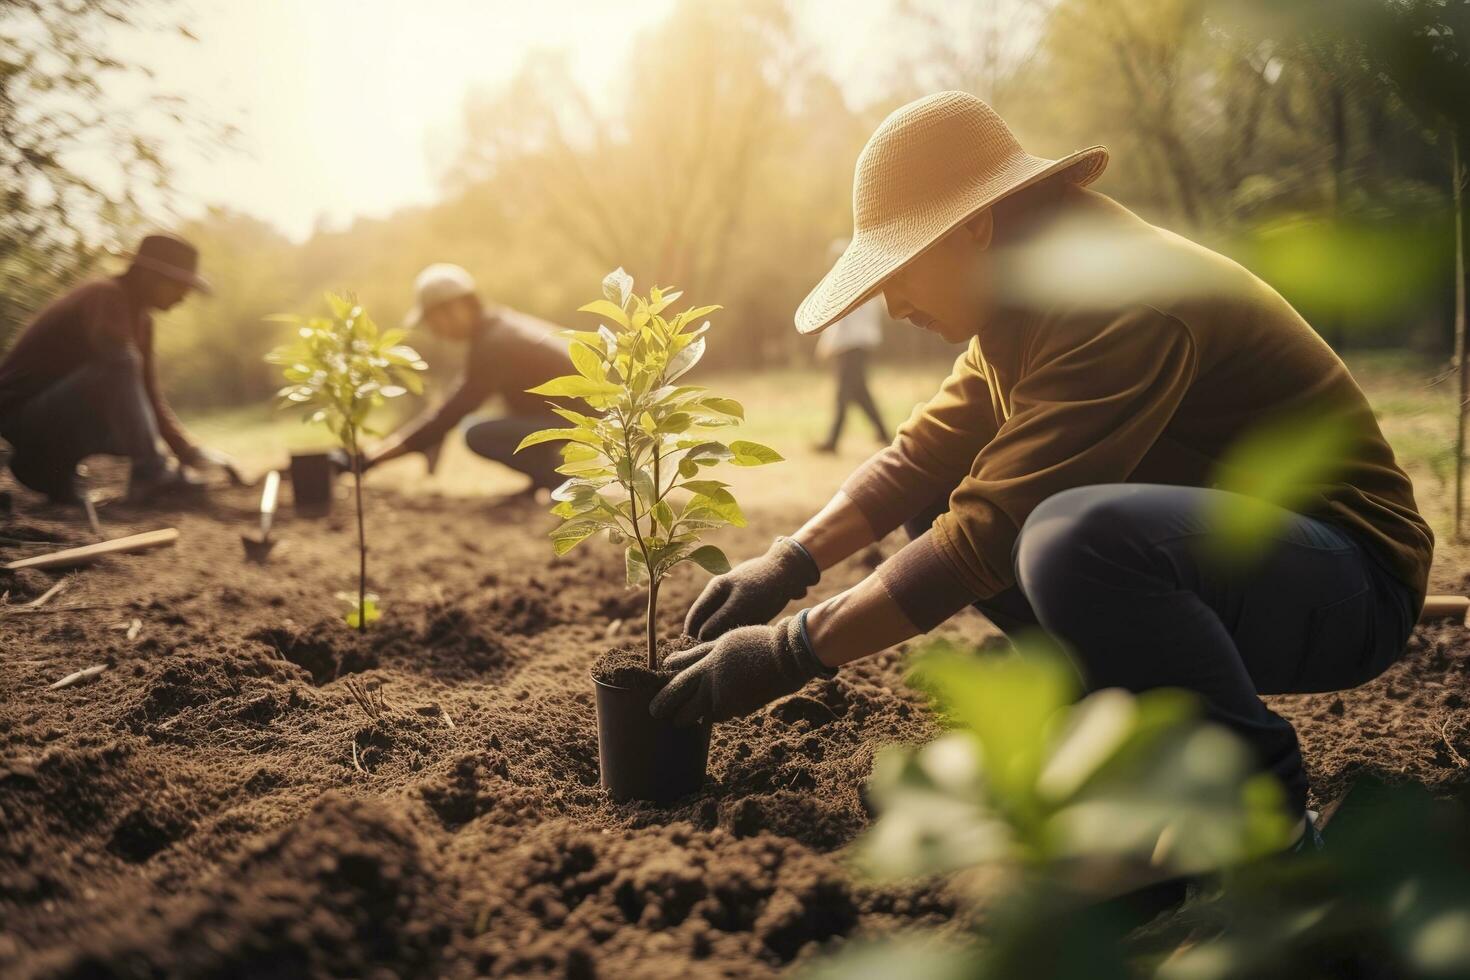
point(753, 592)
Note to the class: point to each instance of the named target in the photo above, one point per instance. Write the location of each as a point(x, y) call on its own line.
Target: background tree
point(57, 79)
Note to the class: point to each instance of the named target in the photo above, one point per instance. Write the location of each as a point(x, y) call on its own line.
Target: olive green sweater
point(1144, 361)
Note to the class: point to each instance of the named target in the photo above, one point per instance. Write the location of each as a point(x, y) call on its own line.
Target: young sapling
point(636, 466)
point(340, 368)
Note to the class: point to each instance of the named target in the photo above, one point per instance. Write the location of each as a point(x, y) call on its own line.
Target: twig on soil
point(357, 765)
point(133, 628)
point(85, 674)
point(1444, 734)
point(444, 713)
point(62, 609)
point(613, 628)
point(369, 697)
point(48, 595)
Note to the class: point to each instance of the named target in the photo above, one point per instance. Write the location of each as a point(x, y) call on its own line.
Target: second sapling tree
point(636, 467)
point(340, 368)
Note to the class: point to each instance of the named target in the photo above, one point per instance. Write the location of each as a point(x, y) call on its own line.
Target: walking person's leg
point(844, 396)
point(1125, 576)
point(497, 439)
point(860, 393)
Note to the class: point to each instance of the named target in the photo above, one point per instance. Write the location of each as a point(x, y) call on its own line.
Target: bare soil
point(218, 803)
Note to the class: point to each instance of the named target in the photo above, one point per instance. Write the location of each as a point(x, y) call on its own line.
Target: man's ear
point(981, 228)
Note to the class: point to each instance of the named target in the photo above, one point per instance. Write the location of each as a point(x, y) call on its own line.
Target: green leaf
point(711, 559)
point(573, 533)
point(705, 487)
point(554, 435)
point(617, 286)
point(574, 386)
point(681, 362)
point(753, 454)
point(723, 406)
point(636, 571)
point(605, 309)
point(587, 362)
point(721, 502)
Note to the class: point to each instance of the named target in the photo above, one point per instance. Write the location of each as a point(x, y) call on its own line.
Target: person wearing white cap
point(1062, 476)
point(507, 352)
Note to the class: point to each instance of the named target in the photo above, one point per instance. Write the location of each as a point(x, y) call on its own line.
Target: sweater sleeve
point(931, 453)
point(477, 384)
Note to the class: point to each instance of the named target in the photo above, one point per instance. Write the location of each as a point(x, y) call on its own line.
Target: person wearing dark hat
point(507, 353)
point(82, 379)
point(1062, 478)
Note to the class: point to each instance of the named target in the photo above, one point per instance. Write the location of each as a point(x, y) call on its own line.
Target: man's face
point(947, 290)
point(163, 293)
point(453, 320)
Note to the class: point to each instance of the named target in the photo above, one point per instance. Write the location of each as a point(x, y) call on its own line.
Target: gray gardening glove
point(738, 673)
point(753, 591)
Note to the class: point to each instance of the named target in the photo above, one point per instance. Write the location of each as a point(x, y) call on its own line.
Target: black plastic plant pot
point(641, 757)
point(312, 479)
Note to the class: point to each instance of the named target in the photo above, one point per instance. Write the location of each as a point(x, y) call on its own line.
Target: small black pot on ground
point(641, 757)
point(313, 478)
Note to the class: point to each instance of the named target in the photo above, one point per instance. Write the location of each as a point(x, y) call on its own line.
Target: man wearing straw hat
point(82, 379)
point(1062, 475)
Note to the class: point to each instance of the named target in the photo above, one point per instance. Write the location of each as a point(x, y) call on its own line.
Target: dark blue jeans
point(1123, 576)
point(497, 439)
point(101, 407)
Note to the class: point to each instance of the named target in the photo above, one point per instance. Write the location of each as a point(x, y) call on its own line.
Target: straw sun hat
point(929, 168)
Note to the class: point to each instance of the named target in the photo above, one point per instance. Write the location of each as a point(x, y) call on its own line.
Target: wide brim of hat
point(192, 279)
point(876, 255)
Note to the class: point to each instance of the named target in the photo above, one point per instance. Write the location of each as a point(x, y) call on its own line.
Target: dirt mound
point(344, 890)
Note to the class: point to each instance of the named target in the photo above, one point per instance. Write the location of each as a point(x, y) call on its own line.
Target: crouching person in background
point(506, 353)
point(82, 380)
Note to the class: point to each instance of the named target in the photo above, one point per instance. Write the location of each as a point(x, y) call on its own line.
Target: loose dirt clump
point(218, 803)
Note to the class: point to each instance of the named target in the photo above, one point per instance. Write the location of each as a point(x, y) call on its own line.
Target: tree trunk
point(1462, 390)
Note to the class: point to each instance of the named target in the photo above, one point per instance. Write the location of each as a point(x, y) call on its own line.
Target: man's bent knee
point(1069, 539)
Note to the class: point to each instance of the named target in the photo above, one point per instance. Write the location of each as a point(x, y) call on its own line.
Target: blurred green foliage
point(1270, 473)
point(1078, 802)
point(1027, 776)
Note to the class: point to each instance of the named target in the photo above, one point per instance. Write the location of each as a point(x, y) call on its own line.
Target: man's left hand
point(737, 673)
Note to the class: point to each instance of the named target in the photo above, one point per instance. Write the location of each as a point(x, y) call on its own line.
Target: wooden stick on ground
point(91, 552)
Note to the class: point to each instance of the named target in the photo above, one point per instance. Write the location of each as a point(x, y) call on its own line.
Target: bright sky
point(345, 105)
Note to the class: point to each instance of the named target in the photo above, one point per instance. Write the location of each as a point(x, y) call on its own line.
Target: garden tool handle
point(268, 497)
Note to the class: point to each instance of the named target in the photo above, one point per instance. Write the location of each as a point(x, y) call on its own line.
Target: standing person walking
point(849, 344)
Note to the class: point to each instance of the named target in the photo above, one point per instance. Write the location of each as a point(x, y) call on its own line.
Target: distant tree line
point(1312, 140)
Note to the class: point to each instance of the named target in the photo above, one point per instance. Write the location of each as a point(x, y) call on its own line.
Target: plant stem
point(361, 539)
point(652, 630)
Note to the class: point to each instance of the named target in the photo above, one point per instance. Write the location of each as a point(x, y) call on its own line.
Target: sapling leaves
point(340, 369)
point(639, 445)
